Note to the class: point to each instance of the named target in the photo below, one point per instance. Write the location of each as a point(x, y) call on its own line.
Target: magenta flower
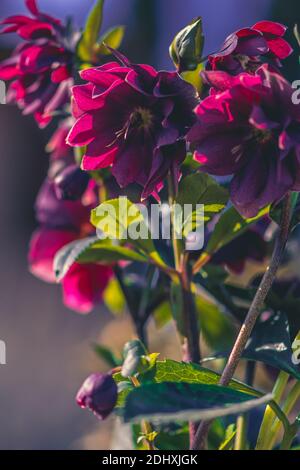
point(40, 68)
point(250, 128)
point(243, 49)
point(61, 223)
point(134, 119)
point(99, 393)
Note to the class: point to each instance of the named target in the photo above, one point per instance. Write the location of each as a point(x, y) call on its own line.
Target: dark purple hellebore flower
point(71, 183)
point(249, 128)
point(243, 49)
point(249, 246)
point(99, 393)
point(134, 119)
point(40, 68)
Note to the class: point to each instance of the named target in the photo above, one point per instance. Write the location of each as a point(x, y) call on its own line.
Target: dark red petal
point(270, 27)
point(99, 161)
point(60, 74)
point(280, 48)
point(32, 7)
point(82, 133)
point(35, 30)
point(83, 286)
point(247, 33)
point(44, 245)
point(8, 70)
point(222, 154)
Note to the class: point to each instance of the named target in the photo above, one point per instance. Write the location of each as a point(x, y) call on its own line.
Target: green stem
point(243, 420)
point(177, 248)
point(269, 416)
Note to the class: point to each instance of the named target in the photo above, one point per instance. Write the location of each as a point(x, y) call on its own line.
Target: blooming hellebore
point(244, 49)
point(41, 67)
point(62, 222)
point(134, 119)
point(249, 128)
point(99, 393)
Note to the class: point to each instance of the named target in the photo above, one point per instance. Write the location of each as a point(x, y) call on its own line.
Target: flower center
point(141, 118)
point(262, 136)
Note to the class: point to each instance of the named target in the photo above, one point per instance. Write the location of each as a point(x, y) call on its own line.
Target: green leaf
point(85, 49)
point(230, 225)
point(228, 442)
point(172, 438)
point(187, 46)
point(171, 401)
point(162, 314)
point(194, 77)
point(120, 219)
point(216, 327)
point(173, 371)
point(106, 355)
point(270, 343)
point(91, 250)
point(114, 298)
point(275, 211)
point(112, 38)
point(201, 189)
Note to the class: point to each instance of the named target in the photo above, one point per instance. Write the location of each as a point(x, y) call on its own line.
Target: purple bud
point(71, 183)
point(98, 392)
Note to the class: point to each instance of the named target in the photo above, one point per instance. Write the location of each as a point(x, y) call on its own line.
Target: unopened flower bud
point(99, 393)
point(187, 47)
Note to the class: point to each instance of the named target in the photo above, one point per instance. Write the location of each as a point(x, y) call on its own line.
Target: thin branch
point(255, 310)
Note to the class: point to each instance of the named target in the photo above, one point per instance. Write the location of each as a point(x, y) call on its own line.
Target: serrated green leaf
point(201, 189)
point(112, 38)
point(85, 48)
point(91, 250)
point(171, 401)
point(173, 371)
point(120, 219)
point(230, 225)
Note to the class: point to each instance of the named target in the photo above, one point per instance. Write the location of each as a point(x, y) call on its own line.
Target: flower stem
point(175, 240)
point(243, 420)
point(253, 313)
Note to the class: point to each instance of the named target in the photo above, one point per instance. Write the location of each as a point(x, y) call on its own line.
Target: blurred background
point(48, 347)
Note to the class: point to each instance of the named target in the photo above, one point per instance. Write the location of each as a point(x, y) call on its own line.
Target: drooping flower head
point(244, 49)
point(134, 119)
point(41, 67)
point(62, 222)
point(249, 127)
point(99, 393)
